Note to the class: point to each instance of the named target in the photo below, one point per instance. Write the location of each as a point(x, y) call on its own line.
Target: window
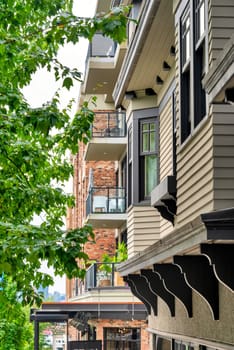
point(129, 192)
point(148, 157)
point(199, 61)
point(162, 343)
point(193, 65)
point(182, 346)
point(122, 338)
point(185, 76)
point(142, 155)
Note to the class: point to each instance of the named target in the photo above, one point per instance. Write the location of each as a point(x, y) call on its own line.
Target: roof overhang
point(63, 311)
point(146, 53)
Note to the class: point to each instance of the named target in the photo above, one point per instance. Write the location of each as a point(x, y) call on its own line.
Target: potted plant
point(120, 256)
point(105, 270)
point(121, 252)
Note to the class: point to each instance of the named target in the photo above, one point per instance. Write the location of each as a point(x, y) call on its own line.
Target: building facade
point(159, 168)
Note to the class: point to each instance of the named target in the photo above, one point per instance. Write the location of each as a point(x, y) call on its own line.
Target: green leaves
point(34, 142)
point(68, 82)
point(16, 333)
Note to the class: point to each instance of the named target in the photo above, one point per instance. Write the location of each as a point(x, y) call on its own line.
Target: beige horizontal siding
point(166, 155)
point(195, 175)
point(166, 228)
point(205, 177)
point(222, 3)
point(166, 146)
point(143, 228)
point(222, 32)
point(223, 133)
point(221, 25)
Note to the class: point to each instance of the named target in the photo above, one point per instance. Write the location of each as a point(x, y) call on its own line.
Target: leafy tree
point(16, 332)
point(33, 141)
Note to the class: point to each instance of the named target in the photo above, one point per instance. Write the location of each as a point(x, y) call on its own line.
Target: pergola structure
point(80, 311)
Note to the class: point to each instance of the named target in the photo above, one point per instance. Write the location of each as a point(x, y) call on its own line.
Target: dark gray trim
point(135, 160)
point(85, 344)
point(163, 197)
point(136, 118)
point(219, 224)
point(118, 310)
point(166, 97)
point(145, 113)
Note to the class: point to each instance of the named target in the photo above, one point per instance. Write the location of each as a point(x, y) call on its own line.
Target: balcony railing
point(106, 200)
point(102, 46)
point(102, 275)
point(115, 3)
point(109, 124)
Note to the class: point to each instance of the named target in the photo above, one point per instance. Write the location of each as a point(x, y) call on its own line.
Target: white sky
point(43, 87)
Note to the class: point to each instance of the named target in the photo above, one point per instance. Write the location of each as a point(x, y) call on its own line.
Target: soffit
point(156, 49)
point(148, 50)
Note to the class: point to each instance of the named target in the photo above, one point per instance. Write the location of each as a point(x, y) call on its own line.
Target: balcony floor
point(105, 149)
point(106, 220)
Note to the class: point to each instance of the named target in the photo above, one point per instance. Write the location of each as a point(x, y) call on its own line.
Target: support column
point(36, 335)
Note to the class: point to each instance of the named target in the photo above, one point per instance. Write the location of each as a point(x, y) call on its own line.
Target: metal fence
point(106, 200)
point(109, 124)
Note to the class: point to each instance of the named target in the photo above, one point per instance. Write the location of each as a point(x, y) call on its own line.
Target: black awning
point(55, 312)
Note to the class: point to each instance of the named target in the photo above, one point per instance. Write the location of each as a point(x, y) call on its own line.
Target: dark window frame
point(143, 154)
point(192, 70)
point(133, 188)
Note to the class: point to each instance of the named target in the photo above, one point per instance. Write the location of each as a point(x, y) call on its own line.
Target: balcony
point(108, 137)
point(103, 63)
point(106, 206)
point(99, 277)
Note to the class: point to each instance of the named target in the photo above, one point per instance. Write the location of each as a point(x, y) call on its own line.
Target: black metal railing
point(103, 275)
point(106, 200)
point(109, 124)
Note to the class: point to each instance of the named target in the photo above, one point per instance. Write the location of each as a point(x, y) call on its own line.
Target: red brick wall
point(103, 175)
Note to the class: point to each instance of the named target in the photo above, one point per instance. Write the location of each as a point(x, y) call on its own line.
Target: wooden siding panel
point(221, 25)
point(195, 175)
point(223, 130)
point(223, 10)
point(166, 147)
point(223, 2)
point(201, 182)
point(141, 232)
point(222, 32)
point(165, 228)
